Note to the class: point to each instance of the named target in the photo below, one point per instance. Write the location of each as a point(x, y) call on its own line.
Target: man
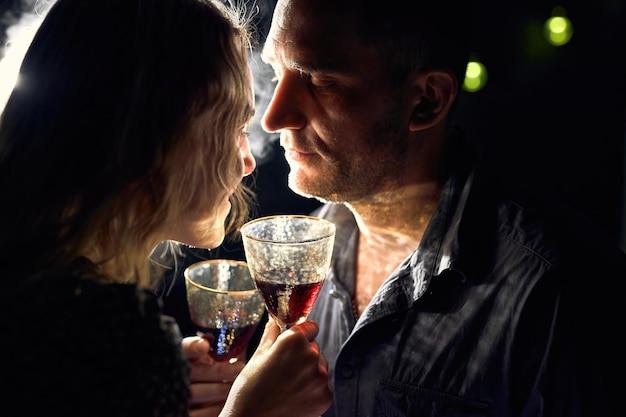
point(450, 293)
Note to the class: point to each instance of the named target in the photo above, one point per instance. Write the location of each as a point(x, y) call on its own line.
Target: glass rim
point(290, 216)
point(189, 280)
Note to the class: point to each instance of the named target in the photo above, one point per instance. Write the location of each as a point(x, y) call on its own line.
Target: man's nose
point(285, 109)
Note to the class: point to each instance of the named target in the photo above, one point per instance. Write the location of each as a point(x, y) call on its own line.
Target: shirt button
point(347, 372)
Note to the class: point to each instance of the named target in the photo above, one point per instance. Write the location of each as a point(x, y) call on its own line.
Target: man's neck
point(390, 228)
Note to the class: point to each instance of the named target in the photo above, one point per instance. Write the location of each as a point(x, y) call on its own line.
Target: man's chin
point(308, 192)
point(299, 188)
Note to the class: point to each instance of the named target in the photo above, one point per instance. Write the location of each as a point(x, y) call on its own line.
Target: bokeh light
point(475, 77)
point(558, 29)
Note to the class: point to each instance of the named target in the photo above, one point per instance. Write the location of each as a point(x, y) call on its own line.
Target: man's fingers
point(270, 333)
point(308, 328)
point(209, 393)
point(215, 371)
point(207, 410)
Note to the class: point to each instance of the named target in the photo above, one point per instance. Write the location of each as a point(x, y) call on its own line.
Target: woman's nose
point(248, 161)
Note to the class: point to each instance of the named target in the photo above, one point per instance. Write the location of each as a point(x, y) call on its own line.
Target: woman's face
point(248, 164)
point(203, 227)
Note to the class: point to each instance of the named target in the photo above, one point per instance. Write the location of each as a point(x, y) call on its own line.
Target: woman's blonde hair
point(127, 117)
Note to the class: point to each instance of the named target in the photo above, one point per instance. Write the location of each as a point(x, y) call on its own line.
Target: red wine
point(227, 342)
point(288, 303)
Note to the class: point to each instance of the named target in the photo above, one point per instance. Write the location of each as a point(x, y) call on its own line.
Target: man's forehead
point(302, 26)
point(308, 18)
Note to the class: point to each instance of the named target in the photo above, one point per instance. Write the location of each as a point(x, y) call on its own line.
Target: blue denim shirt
point(494, 314)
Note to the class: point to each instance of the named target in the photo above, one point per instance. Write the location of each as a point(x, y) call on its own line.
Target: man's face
point(342, 125)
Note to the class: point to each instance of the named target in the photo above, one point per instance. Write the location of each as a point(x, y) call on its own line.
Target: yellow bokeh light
point(475, 77)
point(558, 30)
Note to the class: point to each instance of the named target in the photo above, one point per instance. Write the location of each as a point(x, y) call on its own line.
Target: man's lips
point(298, 155)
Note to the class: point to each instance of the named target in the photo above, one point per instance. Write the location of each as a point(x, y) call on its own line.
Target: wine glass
point(224, 304)
point(288, 257)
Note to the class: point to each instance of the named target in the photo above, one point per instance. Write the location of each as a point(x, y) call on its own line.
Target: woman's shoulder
point(65, 294)
point(107, 342)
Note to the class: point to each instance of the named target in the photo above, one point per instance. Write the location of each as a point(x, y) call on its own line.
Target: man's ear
point(435, 93)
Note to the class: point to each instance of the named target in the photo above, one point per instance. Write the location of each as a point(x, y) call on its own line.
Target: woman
point(127, 128)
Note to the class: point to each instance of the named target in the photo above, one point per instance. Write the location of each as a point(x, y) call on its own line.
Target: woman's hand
point(210, 380)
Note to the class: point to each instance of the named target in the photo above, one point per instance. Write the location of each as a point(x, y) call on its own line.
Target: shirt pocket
point(396, 399)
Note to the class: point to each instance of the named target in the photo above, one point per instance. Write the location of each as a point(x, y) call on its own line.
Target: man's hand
point(286, 376)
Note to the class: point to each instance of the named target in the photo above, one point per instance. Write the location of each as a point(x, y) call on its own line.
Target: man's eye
point(322, 85)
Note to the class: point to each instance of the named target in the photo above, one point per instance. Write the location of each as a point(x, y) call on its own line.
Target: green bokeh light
point(475, 77)
point(558, 29)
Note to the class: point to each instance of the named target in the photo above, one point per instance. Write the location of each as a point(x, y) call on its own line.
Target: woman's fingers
point(210, 380)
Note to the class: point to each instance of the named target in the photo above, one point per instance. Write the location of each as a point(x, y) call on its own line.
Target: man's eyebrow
point(268, 55)
point(307, 68)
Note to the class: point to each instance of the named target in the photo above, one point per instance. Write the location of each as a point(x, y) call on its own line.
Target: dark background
point(553, 116)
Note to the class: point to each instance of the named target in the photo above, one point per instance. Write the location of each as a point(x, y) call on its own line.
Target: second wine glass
point(224, 304)
point(288, 257)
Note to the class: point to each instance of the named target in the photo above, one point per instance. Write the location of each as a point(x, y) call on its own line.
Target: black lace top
point(73, 347)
